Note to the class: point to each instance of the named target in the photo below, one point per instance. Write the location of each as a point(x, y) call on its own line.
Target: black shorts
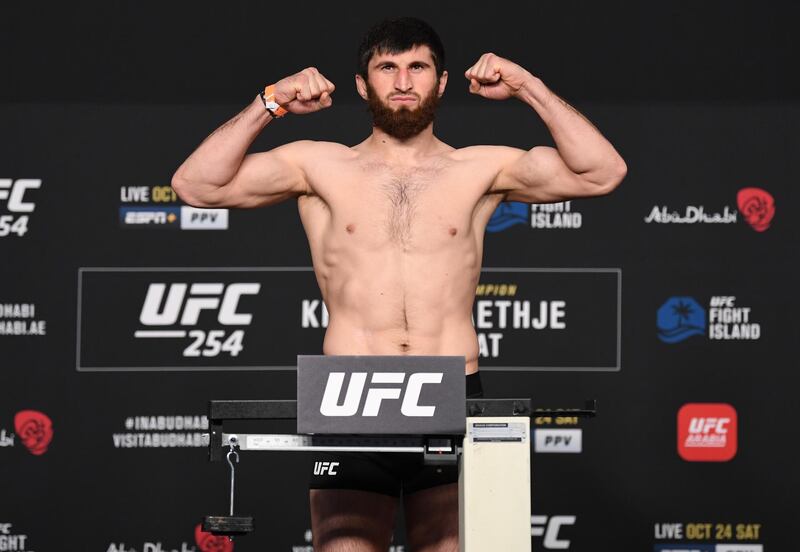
point(389, 473)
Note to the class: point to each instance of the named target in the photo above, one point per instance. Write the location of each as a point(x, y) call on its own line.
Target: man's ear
point(361, 86)
point(442, 83)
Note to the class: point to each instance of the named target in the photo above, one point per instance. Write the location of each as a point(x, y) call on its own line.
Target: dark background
point(701, 100)
point(209, 52)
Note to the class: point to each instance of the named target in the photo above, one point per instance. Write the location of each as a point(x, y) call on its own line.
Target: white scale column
point(494, 485)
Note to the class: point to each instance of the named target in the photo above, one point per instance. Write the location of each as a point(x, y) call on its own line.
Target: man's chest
point(402, 198)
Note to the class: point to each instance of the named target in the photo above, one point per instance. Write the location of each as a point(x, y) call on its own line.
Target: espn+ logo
point(169, 306)
point(13, 193)
point(707, 432)
point(376, 395)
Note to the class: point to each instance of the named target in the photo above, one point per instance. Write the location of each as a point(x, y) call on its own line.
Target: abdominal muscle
point(390, 302)
point(347, 338)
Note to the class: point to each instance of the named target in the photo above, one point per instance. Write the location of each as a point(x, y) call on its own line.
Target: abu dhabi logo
point(34, 429)
point(757, 206)
point(508, 214)
point(679, 318)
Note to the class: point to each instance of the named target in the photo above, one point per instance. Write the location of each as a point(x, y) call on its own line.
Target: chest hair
point(403, 189)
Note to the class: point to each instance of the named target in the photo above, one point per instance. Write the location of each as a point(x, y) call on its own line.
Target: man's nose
point(403, 81)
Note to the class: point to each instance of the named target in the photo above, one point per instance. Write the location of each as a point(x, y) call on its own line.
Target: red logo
point(34, 429)
point(211, 543)
point(707, 432)
point(757, 207)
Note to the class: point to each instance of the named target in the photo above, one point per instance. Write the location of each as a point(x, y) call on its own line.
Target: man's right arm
point(219, 173)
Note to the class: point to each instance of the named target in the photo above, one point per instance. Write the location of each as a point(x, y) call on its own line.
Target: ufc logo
point(709, 425)
point(549, 528)
point(214, 296)
point(375, 395)
point(321, 467)
point(17, 191)
point(723, 301)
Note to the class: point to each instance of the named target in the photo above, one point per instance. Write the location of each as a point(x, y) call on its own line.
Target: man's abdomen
point(459, 339)
point(412, 306)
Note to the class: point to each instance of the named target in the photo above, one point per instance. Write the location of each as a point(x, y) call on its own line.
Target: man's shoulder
point(487, 153)
point(316, 148)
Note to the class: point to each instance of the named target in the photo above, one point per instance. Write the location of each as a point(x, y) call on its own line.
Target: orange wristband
point(268, 97)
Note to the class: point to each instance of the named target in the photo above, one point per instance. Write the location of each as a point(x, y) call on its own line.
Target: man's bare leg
point(351, 521)
point(432, 519)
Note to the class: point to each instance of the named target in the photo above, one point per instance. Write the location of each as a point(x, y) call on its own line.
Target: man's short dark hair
point(395, 36)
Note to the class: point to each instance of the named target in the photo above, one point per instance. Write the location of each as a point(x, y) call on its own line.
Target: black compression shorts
point(389, 473)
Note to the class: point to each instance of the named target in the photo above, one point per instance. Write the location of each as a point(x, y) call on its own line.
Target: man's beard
point(402, 123)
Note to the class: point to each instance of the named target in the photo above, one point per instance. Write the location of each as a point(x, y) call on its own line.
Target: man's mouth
point(404, 99)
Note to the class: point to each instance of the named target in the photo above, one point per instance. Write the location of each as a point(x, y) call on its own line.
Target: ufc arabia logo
point(707, 432)
point(375, 395)
point(175, 307)
point(711, 427)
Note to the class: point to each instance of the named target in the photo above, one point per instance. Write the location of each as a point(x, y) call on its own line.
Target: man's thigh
point(432, 519)
point(352, 521)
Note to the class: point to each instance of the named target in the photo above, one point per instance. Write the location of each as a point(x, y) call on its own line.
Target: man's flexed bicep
point(584, 163)
point(541, 176)
point(266, 178)
point(220, 174)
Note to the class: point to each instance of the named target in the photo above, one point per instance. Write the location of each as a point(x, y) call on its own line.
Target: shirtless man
point(395, 226)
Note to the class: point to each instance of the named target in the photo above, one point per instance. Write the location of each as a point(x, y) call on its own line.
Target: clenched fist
point(304, 92)
point(496, 78)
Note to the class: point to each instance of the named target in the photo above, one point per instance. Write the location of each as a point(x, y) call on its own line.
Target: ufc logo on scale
point(393, 395)
point(375, 395)
point(173, 307)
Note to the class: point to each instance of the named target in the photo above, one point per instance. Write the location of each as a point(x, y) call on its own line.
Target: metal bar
point(252, 410)
point(287, 409)
point(281, 442)
point(498, 407)
point(588, 411)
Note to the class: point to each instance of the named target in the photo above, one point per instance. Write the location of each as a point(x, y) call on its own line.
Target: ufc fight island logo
point(376, 395)
point(13, 193)
point(170, 311)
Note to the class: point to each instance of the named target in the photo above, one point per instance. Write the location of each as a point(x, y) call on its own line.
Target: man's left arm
point(582, 164)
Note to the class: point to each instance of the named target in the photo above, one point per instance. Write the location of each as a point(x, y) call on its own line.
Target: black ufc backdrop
point(671, 301)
